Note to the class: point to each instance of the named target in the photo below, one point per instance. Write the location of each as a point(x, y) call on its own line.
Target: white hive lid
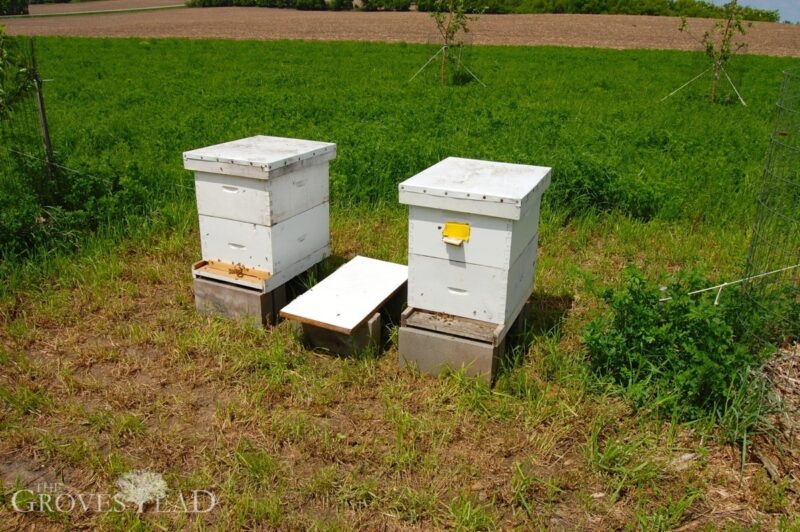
point(261, 154)
point(349, 296)
point(480, 187)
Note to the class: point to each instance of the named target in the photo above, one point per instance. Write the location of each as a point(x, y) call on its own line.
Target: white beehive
point(263, 203)
point(473, 233)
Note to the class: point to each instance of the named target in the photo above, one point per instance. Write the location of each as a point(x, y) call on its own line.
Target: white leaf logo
point(141, 488)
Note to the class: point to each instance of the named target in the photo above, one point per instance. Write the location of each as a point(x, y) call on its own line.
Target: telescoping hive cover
point(503, 190)
point(261, 153)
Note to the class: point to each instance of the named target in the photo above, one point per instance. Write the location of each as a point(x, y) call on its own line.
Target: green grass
point(107, 368)
point(122, 111)
point(129, 108)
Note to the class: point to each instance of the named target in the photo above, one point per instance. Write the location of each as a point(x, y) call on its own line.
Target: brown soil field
point(604, 31)
point(99, 5)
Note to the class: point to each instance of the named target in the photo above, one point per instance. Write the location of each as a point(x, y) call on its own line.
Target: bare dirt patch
point(99, 5)
point(603, 31)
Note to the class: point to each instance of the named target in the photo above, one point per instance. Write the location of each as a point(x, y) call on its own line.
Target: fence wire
point(20, 126)
point(775, 242)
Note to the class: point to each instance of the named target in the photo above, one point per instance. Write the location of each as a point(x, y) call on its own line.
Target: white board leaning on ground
point(349, 296)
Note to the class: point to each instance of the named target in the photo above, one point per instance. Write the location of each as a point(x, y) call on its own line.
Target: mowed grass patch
point(113, 371)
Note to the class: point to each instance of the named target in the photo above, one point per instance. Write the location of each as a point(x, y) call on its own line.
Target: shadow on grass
point(546, 312)
point(542, 316)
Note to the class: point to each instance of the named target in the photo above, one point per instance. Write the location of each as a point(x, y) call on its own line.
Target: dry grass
point(109, 369)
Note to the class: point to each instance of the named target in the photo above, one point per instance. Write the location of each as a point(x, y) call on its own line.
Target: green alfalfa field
point(107, 369)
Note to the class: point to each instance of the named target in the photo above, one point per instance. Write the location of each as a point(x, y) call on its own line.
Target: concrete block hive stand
point(473, 236)
point(264, 219)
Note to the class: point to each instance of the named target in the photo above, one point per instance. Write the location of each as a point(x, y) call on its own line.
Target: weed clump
point(686, 355)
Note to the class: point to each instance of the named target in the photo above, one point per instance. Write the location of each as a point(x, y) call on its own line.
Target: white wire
point(428, 63)
point(720, 287)
point(734, 87)
point(685, 84)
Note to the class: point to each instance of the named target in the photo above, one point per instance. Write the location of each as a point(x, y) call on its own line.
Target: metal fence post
point(48, 146)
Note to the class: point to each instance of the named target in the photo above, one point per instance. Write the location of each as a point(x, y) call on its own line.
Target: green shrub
point(210, 3)
point(398, 5)
point(686, 354)
point(341, 5)
point(685, 8)
point(310, 5)
point(13, 7)
point(29, 211)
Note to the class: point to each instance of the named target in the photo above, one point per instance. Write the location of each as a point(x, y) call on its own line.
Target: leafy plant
point(719, 42)
point(16, 79)
point(13, 7)
point(684, 354)
point(452, 21)
point(310, 5)
point(341, 5)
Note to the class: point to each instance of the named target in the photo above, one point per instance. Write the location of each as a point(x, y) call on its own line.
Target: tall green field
point(122, 111)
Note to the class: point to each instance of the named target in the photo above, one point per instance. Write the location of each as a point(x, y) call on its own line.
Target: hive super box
point(263, 208)
point(473, 233)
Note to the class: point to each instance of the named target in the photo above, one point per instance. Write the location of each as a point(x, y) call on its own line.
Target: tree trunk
point(715, 82)
point(444, 65)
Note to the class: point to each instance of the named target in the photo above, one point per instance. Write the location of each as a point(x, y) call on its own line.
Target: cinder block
point(433, 342)
point(219, 298)
point(433, 352)
point(366, 336)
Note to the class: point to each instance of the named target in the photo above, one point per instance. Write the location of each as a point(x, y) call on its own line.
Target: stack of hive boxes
point(264, 219)
point(473, 235)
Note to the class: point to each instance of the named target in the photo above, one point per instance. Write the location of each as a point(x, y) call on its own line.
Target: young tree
point(452, 21)
point(719, 42)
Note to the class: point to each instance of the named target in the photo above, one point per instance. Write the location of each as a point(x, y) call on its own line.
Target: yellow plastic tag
point(456, 231)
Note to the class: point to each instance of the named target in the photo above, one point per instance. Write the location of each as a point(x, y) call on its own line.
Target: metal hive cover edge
point(478, 180)
point(268, 153)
